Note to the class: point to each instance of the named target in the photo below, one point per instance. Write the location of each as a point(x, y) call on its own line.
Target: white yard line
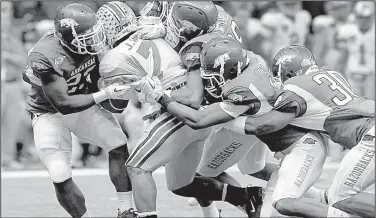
point(102, 172)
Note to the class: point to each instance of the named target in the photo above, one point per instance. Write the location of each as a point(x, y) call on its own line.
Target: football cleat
point(131, 213)
point(253, 201)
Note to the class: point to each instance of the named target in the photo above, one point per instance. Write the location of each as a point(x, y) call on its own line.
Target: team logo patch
point(221, 60)
point(310, 141)
point(68, 22)
point(192, 56)
point(38, 66)
point(285, 59)
point(59, 60)
point(235, 97)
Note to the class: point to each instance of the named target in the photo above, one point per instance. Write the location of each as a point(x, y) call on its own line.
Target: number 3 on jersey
point(336, 83)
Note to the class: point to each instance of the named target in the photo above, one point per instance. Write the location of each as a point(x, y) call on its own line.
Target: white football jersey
point(361, 48)
point(137, 58)
point(285, 30)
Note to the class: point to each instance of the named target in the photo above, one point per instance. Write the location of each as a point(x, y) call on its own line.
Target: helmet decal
point(285, 59)
point(221, 61)
point(68, 22)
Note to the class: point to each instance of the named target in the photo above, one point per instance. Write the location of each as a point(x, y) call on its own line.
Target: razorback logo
point(310, 141)
point(221, 60)
point(68, 22)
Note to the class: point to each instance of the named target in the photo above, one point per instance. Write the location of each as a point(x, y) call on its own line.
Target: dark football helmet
point(79, 30)
point(222, 59)
point(292, 60)
point(189, 19)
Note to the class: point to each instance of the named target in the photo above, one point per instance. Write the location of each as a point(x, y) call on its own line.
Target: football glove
point(152, 88)
point(151, 31)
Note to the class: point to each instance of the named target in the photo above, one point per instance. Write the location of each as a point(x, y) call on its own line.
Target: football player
point(130, 59)
point(304, 151)
point(359, 49)
point(321, 99)
point(62, 69)
point(289, 25)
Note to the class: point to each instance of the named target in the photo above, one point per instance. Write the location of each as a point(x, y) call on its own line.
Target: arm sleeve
point(290, 102)
point(240, 100)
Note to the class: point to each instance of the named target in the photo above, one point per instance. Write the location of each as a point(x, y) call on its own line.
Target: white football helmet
point(118, 21)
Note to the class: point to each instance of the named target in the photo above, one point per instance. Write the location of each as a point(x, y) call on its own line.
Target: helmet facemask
point(162, 11)
point(91, 42)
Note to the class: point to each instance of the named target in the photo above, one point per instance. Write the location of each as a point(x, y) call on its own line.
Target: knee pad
point(59, 171)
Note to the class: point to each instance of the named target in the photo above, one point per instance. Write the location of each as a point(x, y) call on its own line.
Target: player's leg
point(223, 149)
point(164, 140)
point(99, 127)
point(355, 174)
point(54, 146)
point(300, 169)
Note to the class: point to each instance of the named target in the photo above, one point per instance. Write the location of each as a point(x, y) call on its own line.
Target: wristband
point(100, 96)
point(164, 100)
point(168, 93)
point(237, 125)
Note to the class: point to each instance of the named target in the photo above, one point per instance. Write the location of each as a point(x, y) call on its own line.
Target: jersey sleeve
point(190, 56)
point(290, 102)
point(240, 100)
point(37, 64)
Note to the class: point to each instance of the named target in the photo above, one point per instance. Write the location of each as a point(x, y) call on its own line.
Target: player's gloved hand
point(151, 31)
point(123, 92)
point(152, 88)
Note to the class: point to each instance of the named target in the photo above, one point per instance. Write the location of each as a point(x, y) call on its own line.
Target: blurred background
point(340, 33)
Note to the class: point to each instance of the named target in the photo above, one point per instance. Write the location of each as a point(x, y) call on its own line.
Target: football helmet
point(79, 30)
point(365, 14)
point(339, 10)
point(222, 59)
point(158, 9)
point(291, 61)
point(190, 19)
point(118, 21)
point(289, 8)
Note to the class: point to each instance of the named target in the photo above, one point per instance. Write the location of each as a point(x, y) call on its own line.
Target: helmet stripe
point(117, 11)
point(118, 7)
point(111, 11)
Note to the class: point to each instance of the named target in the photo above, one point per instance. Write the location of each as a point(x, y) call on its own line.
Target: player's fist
point(152, 88)
point(149, 31)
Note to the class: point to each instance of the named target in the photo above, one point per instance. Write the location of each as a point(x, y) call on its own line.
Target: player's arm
point(55, 88)
point(199, 119)
point(193, 94)
point(288, 106)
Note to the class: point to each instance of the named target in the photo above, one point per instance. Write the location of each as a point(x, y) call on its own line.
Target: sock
point(124, 200)
point(86, 214)
point(152, 214)
point(210, 211)
point(334, 212)
point(234, 195)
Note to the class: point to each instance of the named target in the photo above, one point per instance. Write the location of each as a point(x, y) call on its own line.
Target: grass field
point(31, 194)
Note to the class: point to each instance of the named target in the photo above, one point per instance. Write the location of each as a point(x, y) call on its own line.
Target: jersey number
point(77, 81)
point(337, 84)
point(235, 31)
point(149, 51)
